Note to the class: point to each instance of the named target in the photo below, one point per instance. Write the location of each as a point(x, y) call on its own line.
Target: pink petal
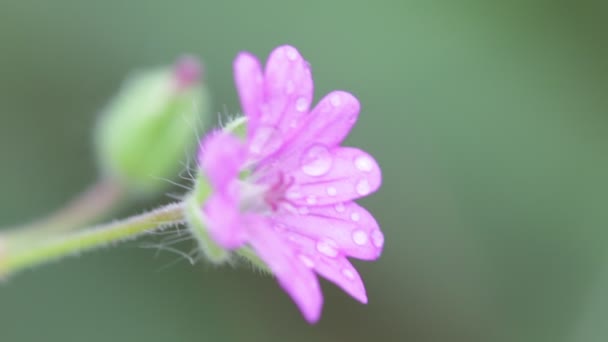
point(328, 124)
point(288, 88)
point(334, 267)
point(325, 176)
point(223, 220)
point(221, 156)
point(288, 92)
point(342, 273)
point(348, 227)
point(249, 83)
point(295, 278)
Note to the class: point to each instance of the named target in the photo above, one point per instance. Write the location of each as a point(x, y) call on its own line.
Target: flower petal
point(334, 267)
point(221, 155)
point(288, 92)
point(288, 88)
point(349, 227)
point(249, 83)
point(223, 220)
point(329, 176)
point(328, 123)
point(342, 273)
point(296, 278)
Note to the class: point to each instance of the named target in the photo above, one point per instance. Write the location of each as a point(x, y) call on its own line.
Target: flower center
point(263, 197)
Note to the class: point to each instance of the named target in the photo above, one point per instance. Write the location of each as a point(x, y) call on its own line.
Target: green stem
point(17, 253)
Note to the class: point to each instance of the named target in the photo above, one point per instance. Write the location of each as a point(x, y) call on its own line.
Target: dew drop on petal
point(289, 208)
point(327, 247)
point(301, 104)
point(293, 194)
point(335, 100)
point(311, 200)
point(378, 238)
point(316, 160)
point(306, 261)
point(355, 217)
point(364, 163)
point(348, 274)
point(360, 237)
point(363, 187)
point(339, 207)
point(331, 191)
point(291, 53)
point(266, 140)
point(294, 237)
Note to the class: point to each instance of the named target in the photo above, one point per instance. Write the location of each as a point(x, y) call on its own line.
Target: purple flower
point(288, 190)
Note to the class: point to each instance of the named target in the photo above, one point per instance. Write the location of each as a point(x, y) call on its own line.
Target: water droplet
point(289, 87)
point(348, 273)
point(335, 100)
point(303, 210)
point(360, 237)
point(291, 53)
point(293, 194)
point(363, 187)
point(316, 161)
point(331, 191)
point(289, 208)
point(306, 261)
point(378, 238)
point(327, 247)
point(339, 207)
point(364, 163)
point(267, 140)
point(311, 200)
point(355, 217)
point(293, 237)
point(301, 104)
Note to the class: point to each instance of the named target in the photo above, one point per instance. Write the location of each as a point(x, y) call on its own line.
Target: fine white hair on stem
point(172, 182)
point(175, 196)
point(188, 167)
point(192, 255)
point(167, 242)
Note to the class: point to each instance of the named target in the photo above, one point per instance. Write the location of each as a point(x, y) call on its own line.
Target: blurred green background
point(489, 120)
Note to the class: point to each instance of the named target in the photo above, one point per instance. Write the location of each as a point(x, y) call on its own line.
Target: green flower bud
point(151, 126)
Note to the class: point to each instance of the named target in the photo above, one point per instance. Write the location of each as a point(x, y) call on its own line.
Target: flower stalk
point(18, 252)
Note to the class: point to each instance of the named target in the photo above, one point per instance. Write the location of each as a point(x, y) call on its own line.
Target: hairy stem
point(18, 252)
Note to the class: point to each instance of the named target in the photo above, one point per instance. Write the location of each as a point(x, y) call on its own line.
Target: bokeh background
point(489, 119)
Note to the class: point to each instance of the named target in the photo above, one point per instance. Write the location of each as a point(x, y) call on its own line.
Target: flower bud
point(151, 125)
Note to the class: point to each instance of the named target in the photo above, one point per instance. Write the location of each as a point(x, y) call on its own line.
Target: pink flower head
point(288, 190)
